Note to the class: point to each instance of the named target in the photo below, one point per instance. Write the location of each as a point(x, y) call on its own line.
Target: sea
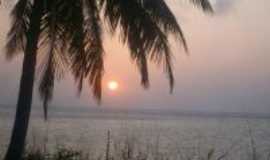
point(179, 135)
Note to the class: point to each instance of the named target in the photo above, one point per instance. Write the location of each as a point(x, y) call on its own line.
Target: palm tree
point(59, 34)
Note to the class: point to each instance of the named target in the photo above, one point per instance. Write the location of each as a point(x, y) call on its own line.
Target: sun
point(112, 85)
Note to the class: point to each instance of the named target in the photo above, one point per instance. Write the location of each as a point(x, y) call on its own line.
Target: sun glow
point(112, 85)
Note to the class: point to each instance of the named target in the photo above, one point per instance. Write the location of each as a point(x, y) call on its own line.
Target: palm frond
point(50, 37)
point(47, 84)
point(82, 31)
point(94, 47)
point(141, 61)
point(144, 34)
point(76, 47)
point(20, 23)
point(162, 15)
point(204, 4)
point(51, 43)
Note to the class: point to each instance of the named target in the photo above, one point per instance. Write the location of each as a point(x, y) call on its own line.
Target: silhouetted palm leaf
point(204, 4)
point(94, 47)
point(144, 25)
point(20, 24)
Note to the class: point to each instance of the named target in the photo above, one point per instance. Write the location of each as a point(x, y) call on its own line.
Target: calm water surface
point(172, 135)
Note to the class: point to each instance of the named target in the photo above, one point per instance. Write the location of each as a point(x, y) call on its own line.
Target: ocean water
point(176, 136)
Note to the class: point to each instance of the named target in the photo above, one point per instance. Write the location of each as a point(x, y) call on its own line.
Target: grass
point(59, 154)
point(123, 149)
point(125, 154)
point(130, 148)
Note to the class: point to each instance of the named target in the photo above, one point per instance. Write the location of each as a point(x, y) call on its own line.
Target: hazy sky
point(228, 67)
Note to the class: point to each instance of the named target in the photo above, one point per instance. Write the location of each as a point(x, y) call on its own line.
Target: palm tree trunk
point(19, 132)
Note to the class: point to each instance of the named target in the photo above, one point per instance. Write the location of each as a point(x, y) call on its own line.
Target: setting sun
point(113, 85)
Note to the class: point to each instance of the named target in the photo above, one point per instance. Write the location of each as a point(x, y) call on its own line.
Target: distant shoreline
point(106, 113)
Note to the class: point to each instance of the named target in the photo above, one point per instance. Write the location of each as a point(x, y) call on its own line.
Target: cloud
point(223, 6)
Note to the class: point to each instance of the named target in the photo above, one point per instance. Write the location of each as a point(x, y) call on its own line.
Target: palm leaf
point(47, 84)
point(162, 15)
point(94, 47)
point(204, 4)
point(52, 66)
point(50, 37)
point(19, 27)
point(144, 35)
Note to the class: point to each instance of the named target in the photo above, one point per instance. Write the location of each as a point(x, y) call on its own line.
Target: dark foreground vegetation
point(126, 153)
point(128, 148)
